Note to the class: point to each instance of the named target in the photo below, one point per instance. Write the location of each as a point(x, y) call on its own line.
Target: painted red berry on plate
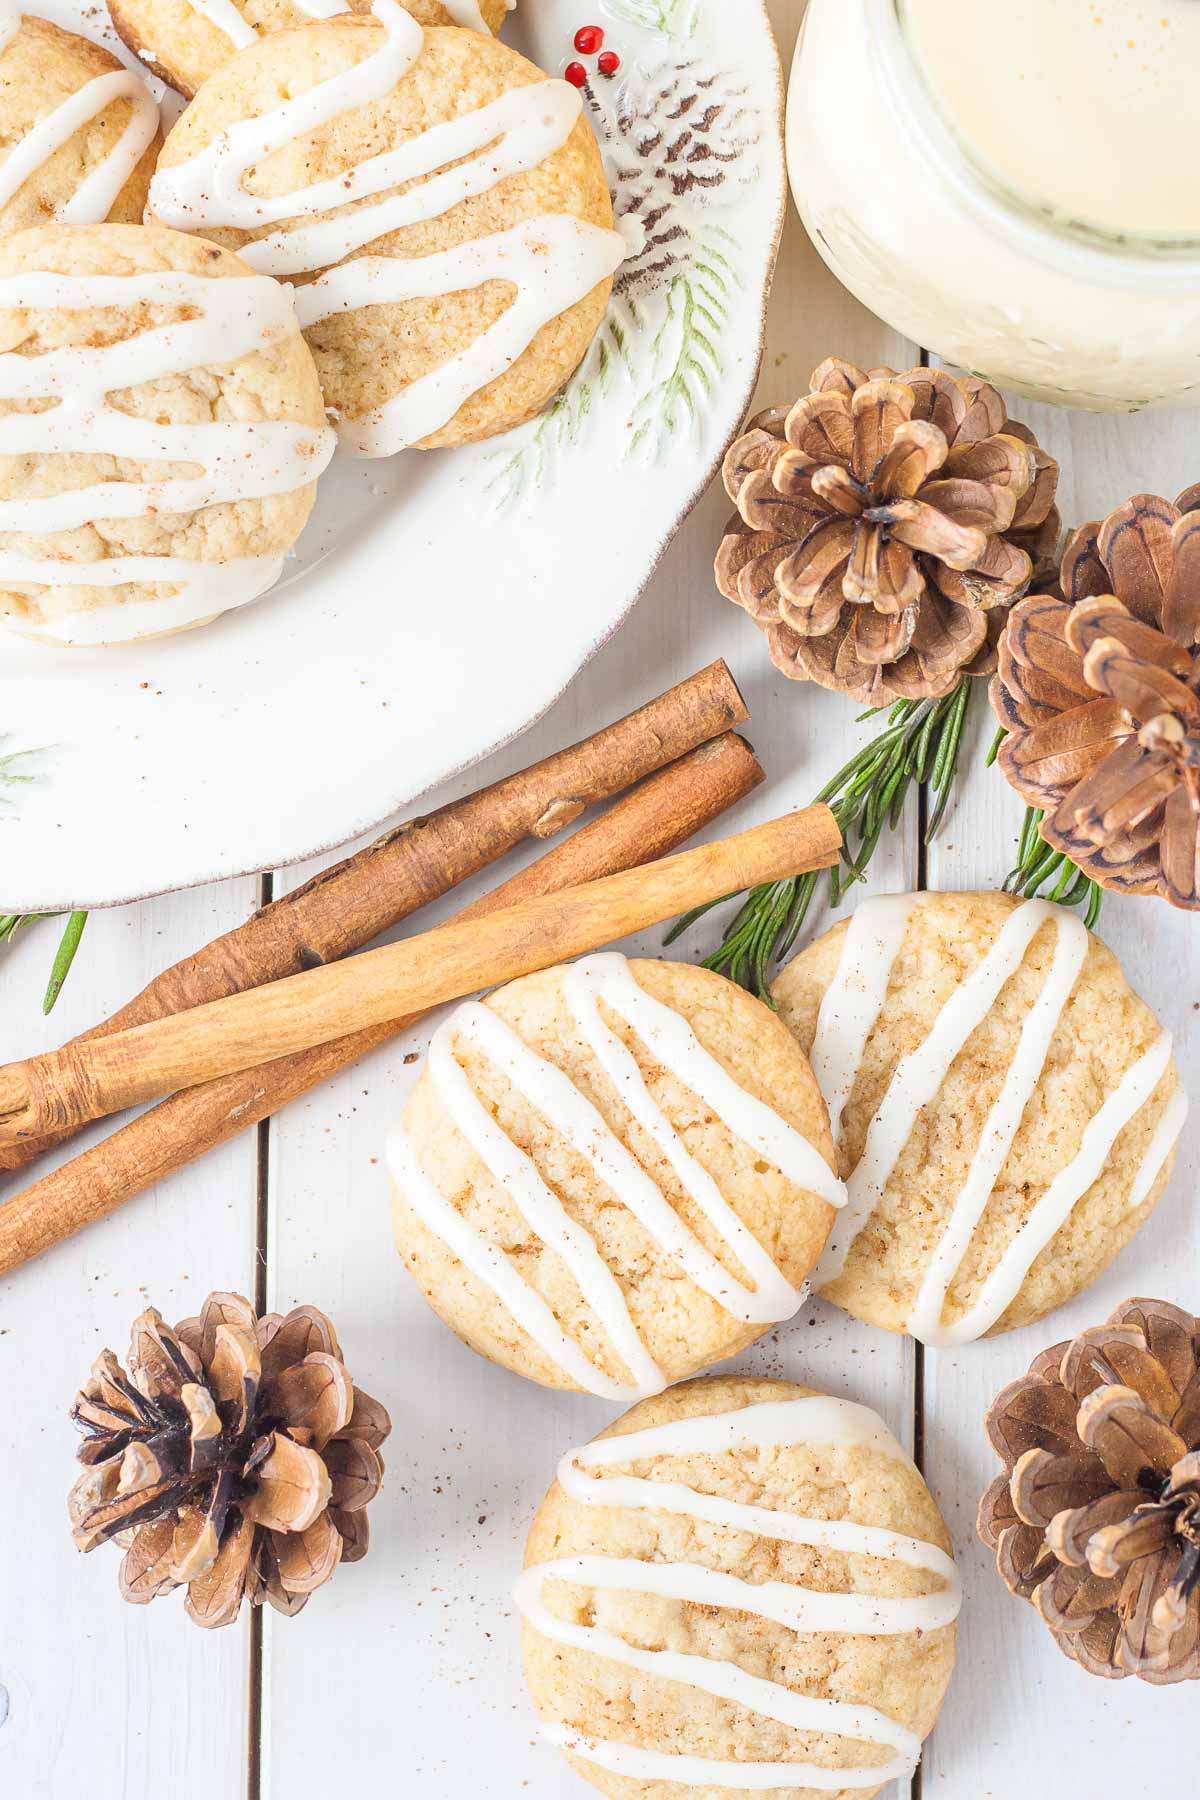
point(576, 74)
point(589, 39)
point(609, 63)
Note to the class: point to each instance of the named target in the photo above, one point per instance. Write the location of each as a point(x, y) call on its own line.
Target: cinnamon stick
point(650, 822)
point(349, 905)
point(86, 1081)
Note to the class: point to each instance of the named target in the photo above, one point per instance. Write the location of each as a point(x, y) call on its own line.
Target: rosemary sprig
point(920, 743)
point(1044, 873)
point(1040, 867)
point(11, 923)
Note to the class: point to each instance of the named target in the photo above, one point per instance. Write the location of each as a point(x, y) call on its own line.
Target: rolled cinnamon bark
point(87, 1081)
point(650, 822)
point(349, 905)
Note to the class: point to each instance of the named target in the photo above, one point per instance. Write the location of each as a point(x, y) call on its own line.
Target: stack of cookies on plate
point(613, 1175)
point(413, 250)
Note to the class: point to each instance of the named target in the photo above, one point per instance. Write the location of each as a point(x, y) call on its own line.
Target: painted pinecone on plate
point(885, 523)
point(1100, 694)
point(679, 142)
point(235, 1457)
point(1096, 1519)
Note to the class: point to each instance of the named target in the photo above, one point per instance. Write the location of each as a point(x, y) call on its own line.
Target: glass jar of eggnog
point(1013, 184)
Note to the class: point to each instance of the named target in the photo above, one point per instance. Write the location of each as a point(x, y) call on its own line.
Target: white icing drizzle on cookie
point(549, 260)
point(92, 200)
point(815, 1420)
point(488, 1263)
point(854, 999)
point(1166, 1136)
point(225, 320)
point(553, 261)
point(1056, 1205)
point(467, 14)
point(850, 1011)
point(204, 590)
point(226, 17)
point(676, 1048)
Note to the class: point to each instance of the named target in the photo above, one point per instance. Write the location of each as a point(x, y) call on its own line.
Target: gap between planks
point(262, 1247)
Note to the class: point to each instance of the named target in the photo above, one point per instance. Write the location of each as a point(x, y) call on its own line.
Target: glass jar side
point(912, 230)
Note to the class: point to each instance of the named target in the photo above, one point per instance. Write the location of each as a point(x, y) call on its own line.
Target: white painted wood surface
point(108, 1699)
point(403, 1674)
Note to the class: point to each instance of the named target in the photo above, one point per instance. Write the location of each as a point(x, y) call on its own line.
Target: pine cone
point(885, 522)
point(237, 1457)
point(1100, 695)
point(1097, 1518)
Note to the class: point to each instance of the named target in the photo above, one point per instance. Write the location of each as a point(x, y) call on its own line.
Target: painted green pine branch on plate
point(686, 356)
point(674, 19)
point(12, 775)
point(560, 427)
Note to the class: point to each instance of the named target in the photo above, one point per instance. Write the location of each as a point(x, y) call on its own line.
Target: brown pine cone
point(1100, 695)
point(885, 522)
point(1097, 1518)
point(236, 1456)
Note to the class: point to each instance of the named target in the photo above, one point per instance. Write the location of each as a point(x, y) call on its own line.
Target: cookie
point(741, 1587)
point(187, 41)
point(176, 462)
point(452, 195)
point(78, 132)
point(1006, 1108)
point(613, 1174)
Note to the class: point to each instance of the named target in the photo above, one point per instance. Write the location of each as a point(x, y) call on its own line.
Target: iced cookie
point(741, 1587)
point(161, 432)
point(186, 41)
point(1006, 1108)
point(452, 194)
point(613, 1174)
point(78, 132)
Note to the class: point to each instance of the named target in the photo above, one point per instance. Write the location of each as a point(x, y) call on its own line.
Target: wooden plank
point(1015, 1696)
point(105, 1698)
point(422, 1635)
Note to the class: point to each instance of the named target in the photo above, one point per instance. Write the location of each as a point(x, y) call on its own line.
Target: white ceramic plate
point(437, 604)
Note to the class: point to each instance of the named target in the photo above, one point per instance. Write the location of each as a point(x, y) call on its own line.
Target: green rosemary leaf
point(945, 767)
point(693, 918)
point(11, 923)
point(918, 741)
point(68, 945)
point(1044, 873)
point(925, 747)
point(805, 894)
point(1028, 838)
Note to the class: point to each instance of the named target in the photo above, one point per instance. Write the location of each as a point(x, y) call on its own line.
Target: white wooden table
point(402, 1675)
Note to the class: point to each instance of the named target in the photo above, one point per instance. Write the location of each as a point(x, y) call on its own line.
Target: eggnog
point(1013, 184)
point(1088, 107)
